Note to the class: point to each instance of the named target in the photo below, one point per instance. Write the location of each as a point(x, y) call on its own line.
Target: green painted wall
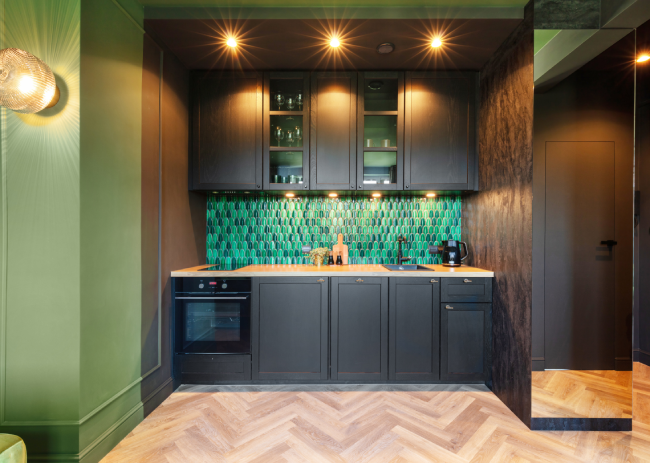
point(70, 282)
point(40, 307)
point(110, 146)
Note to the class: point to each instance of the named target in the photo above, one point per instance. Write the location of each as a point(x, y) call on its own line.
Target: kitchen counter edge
point(338, 271)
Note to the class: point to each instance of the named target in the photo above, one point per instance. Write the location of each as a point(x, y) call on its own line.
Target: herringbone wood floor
point(582, 394)
point(399, 427)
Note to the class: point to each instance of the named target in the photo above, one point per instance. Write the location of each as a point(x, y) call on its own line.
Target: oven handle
point(212, 298)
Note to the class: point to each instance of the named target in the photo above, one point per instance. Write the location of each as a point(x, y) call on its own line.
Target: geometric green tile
point(244, 231)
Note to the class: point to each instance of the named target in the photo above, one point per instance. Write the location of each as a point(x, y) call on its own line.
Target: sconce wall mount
point(27, 84)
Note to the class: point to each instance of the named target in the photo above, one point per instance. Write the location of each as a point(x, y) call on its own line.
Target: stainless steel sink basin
point(407, 267)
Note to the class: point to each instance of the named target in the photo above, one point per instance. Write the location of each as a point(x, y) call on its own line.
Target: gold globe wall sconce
point(27, 84)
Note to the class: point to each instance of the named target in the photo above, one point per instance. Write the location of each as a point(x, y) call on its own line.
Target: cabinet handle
point(321, 281)
point(448, 307)
point(467, 281)
point(434, 281)
point(359, 280)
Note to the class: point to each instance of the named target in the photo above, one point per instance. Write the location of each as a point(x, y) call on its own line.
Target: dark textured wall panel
point(497, 221)
point(181, 212)
point(567, 14)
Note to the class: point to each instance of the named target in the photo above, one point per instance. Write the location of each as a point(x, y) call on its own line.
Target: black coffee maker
point(451, 251)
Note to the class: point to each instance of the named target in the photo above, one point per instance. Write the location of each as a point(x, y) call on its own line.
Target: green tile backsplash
point(268, 230)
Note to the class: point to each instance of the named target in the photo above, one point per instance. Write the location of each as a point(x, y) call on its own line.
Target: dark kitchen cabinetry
point(466, 341)
point(440, 131)
point(356, 131)
point(290, 328)
point(359, 330)
point(380, 128)
point(414, 334)
point(333, 133)
point(226, 131)
point(286, 130)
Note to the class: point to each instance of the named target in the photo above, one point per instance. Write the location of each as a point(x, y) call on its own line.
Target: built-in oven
point(213, 315)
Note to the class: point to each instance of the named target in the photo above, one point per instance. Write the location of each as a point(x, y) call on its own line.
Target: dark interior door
point(579, 271)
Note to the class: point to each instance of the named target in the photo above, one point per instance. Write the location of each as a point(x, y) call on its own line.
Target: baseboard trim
point(581, 424)
point(130, 419)
point(539, 363)
point(623, 363)
point(642, 356)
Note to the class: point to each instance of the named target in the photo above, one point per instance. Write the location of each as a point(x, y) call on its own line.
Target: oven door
point(213, 324)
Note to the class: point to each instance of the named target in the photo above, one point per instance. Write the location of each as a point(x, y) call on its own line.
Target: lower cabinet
point(359, 330)
point(466, 341)
point(290, 328)
point(414, 337)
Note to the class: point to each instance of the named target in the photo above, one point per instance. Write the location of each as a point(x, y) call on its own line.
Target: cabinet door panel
point(466, 333)
point(440, 131)
point(227, 132)
point(359, 329)
point(466, 290)
point(291, 329)
point(333, 130)
point(414, 329)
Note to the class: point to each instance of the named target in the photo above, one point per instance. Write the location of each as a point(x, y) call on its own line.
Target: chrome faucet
point(400, 259)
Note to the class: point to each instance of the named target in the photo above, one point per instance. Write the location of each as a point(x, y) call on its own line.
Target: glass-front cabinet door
point(286, 131)
point(380, 151)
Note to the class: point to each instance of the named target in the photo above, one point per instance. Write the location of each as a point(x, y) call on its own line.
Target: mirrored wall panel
point(583, 234)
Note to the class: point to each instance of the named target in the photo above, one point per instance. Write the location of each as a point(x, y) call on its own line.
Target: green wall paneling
point(247, 231)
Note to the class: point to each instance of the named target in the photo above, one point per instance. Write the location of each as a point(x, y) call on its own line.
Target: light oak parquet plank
point(377, 427)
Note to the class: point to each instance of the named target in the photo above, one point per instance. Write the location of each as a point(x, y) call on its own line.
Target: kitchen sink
point(407, 267)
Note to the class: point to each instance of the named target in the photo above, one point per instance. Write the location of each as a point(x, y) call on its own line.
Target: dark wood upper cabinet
point(286, 130)
point(226, 131)
point(380, 129)
point(333, 133)
point(440, 131)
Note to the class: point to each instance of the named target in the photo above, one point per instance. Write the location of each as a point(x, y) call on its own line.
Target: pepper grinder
point(339, 261)
point(330, 261)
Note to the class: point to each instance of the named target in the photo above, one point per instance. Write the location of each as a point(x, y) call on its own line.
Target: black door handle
point(609, 243)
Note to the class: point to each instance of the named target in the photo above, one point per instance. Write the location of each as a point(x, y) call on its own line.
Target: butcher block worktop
point(333, 271)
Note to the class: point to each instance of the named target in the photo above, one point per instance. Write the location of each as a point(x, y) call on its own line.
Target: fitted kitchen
point(345, 232)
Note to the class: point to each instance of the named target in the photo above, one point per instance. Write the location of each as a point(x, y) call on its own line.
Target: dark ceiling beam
point(335, 13)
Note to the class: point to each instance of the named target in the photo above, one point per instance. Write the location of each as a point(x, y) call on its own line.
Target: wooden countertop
point(334, 271)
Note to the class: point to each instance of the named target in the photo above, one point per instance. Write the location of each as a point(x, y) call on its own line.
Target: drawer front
point(466, 290)
point(214, 368)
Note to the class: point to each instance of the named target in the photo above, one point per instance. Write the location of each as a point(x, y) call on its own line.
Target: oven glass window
point(213, 321)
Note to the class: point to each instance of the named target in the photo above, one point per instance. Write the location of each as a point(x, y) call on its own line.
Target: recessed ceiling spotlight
point(385, 48)
point(436, 43)
point(334, 43)
point(231, 42)
point(375, 85)
point(643, 58)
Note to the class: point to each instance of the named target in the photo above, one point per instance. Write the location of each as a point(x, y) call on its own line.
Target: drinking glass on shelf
point(291, 103)
point(297, 134)
point(279, 135)
point(279, 100)
point(289, 137)
point(299, 101)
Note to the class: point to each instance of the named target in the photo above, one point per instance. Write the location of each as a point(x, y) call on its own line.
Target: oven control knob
point(224, 286)
point(201, 286)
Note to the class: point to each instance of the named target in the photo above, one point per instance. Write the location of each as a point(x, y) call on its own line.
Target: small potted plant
point(317, 255)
